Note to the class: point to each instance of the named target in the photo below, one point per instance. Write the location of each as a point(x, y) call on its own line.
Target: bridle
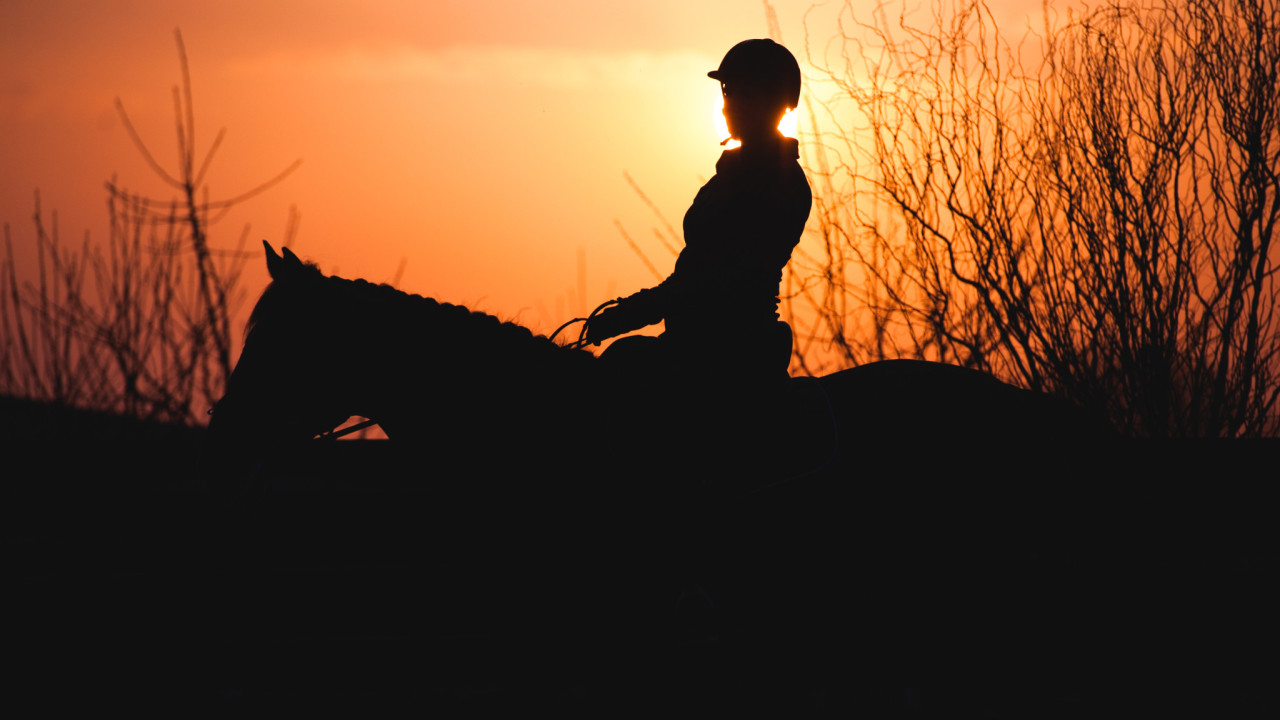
point(335, 434)
point(326, 436)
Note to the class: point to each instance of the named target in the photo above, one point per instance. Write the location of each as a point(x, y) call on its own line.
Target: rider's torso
point(739, 234)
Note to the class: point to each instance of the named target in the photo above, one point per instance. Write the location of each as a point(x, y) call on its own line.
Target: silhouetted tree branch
point(1098, 226)
point(151, 337)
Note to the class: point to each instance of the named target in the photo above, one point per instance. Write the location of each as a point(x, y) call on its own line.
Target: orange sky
point(480, 143)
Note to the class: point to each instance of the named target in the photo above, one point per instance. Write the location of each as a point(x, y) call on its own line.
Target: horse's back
point(931, 460)
point(923, 438)
point(920, 403)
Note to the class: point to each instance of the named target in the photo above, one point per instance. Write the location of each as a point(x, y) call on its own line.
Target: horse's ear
point(278, 266)
point(275, 263)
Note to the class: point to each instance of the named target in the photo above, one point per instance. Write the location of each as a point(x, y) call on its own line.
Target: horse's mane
point(387, 306)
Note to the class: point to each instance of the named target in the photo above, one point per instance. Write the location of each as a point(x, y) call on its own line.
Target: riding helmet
point(762, 63)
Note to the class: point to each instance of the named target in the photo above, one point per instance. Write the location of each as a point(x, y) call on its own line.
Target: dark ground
point(1135, 580)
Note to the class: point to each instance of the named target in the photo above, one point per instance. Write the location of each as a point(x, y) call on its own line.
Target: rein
point(325, 436)
point(335, 434)
point(582, 333)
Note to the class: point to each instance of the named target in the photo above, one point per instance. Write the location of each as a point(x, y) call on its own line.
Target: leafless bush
point(1088, 211)
point(143, 325)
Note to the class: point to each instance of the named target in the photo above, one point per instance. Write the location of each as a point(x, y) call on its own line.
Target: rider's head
point(760, 80)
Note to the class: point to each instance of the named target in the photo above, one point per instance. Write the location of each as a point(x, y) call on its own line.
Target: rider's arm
point(633, 312)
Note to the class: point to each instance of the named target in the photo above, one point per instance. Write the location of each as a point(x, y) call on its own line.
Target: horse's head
point(275, 397)
point(320, 349)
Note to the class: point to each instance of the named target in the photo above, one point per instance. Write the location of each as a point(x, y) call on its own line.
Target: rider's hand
point(606, 324)
point(630, 313)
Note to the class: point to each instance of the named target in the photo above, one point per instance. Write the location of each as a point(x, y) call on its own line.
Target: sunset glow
point(722, 126)
point(788, 126)
point(477, 152)
point(454, 357)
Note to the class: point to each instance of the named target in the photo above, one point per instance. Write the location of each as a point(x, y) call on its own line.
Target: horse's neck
point(452, 372)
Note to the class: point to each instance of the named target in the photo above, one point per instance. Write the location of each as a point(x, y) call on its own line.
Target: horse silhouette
point(536, 437)
point(530, 435)
point(528, 453)
point(480, 396)
point(472, 396)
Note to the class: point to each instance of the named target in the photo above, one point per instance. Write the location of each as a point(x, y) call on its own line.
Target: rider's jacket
point(739, 233)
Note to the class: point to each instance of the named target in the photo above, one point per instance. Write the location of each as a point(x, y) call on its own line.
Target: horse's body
point(530, 450)
point(480, 396)
point(491, 411)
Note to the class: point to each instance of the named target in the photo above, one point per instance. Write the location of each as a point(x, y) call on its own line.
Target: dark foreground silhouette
point(903, 537)
point(515, 547)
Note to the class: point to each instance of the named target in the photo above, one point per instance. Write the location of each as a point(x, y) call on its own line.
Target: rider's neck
point(761, 142)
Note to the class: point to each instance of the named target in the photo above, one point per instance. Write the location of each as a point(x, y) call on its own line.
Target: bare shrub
point(1088, 211)
point(143, 325)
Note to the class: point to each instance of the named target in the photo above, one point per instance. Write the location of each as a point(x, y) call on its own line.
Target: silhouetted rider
point(721, 301)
